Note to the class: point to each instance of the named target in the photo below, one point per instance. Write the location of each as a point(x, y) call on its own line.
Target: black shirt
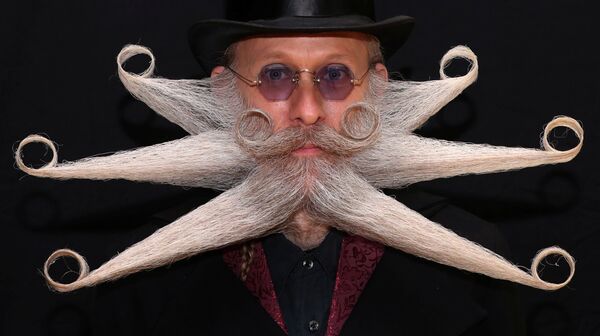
point(303, 281)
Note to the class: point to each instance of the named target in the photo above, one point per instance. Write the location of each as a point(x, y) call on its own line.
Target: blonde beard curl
point(238, 152)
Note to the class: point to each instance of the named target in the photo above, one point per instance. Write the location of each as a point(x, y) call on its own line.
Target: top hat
point(244, 18)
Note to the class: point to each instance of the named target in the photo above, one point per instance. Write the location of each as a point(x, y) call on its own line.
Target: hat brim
point(210, 38)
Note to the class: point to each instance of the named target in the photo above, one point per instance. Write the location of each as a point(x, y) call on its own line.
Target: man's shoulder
point(418, 296)
point(199, 294)
point(135, 304)
point(441, 210)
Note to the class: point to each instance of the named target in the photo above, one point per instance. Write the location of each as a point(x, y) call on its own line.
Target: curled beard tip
point(39, 139)
point(361, 121)
point(128, 52)
point(196, 105)
point(253, 125)
point(570, 123)
point(539, 257)
point(84, 270)
point(460, 52)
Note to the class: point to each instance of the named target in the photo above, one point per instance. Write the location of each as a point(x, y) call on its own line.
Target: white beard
point(233, 148)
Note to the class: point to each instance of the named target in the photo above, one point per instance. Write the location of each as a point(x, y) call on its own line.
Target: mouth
point(307, 150)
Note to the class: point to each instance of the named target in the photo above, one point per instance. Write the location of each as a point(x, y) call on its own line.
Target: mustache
point(360, 128)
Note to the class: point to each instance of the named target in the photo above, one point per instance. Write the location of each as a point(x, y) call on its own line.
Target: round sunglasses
point(278, 81)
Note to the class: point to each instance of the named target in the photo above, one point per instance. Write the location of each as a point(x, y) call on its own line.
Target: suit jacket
point(379, 291)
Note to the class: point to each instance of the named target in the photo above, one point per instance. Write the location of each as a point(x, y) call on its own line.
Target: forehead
point(303, 50)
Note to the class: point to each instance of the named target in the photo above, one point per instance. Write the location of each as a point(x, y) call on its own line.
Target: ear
point(381, 71)
point(217, 71)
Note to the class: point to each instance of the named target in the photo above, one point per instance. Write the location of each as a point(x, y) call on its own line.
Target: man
point(308, 73)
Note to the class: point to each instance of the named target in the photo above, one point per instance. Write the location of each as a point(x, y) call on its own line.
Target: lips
point(307, 150)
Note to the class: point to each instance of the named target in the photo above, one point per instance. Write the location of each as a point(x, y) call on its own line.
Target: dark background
point(58, 77)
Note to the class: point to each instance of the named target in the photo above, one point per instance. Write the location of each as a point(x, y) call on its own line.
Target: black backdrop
point(58, 77)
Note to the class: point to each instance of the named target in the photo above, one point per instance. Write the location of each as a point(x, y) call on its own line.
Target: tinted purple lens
point(276, 82)
point(335, 81)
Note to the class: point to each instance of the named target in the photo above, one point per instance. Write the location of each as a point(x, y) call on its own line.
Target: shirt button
point(308, 264)
point(313, 326)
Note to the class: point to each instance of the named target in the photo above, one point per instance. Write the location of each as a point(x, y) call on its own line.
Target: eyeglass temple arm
point(359, 80)
point(244, 79)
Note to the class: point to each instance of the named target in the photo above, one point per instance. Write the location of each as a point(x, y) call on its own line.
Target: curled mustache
point(360, 128)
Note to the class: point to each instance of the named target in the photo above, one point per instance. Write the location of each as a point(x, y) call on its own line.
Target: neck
point(305, 233)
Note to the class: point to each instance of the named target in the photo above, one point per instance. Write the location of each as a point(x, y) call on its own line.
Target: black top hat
point(210, 38)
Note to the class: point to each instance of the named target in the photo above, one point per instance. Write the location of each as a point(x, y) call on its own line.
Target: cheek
point(334, 113)
point(278, 113)
point(335, 109)
point(255, 100)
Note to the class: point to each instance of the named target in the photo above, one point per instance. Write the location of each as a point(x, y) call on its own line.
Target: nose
point(306, 103)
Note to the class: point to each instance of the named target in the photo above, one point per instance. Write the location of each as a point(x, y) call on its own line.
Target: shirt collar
point(283, 255)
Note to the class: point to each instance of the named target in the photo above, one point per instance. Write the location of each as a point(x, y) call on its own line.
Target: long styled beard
point(235, 148)
point(278, 188)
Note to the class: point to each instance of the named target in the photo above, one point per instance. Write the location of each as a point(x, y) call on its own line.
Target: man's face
point(305, 106)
